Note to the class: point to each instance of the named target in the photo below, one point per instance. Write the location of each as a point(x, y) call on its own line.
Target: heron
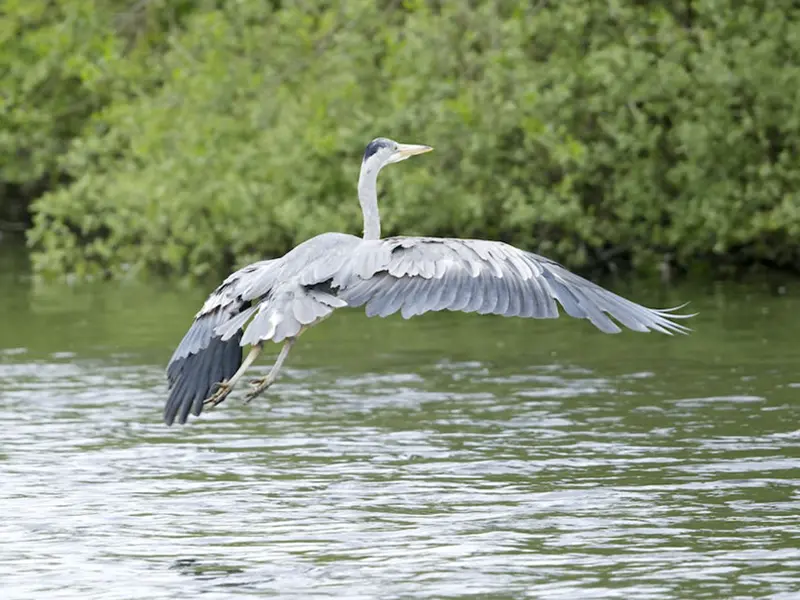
point(277, 300)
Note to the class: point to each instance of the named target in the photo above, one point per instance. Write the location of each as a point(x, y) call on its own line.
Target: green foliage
point(62, 62)
point(590, 132)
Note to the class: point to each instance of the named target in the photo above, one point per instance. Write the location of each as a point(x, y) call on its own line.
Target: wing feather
point(414, 275)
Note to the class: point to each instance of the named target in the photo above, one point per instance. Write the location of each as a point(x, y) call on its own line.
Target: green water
point(449, 456)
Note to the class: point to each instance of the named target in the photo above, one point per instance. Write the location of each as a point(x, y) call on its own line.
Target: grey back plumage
point(298, 297)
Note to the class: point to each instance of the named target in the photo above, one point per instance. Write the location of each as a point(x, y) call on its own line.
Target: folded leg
point(226, 387)
point(258, 386)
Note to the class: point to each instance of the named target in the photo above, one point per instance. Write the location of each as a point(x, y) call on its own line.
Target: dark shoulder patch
point(374, 146)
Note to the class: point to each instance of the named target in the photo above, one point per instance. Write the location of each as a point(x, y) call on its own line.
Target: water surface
point(449, 456)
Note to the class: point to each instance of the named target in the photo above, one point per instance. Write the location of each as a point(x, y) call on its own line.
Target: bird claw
point(257, 387)
point(223, 388)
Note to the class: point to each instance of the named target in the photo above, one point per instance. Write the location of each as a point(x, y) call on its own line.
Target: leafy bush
point(619, 131)
point(61, 62)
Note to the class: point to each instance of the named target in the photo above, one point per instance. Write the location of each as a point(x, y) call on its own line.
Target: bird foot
point(257, 387)
point(218, 397)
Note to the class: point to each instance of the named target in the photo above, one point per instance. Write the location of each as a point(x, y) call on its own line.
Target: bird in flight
point(277, 300)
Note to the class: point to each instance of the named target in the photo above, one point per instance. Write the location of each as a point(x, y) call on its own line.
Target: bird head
point(383, 151)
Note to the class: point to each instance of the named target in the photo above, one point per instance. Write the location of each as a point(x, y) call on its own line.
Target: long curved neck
point(368, 197)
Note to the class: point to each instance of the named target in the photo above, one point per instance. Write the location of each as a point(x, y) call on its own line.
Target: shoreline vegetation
point(182, 139)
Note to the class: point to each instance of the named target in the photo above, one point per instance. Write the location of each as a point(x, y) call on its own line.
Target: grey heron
point(277, 300)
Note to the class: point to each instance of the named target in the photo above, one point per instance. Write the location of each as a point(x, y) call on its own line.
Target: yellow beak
point(406, 150)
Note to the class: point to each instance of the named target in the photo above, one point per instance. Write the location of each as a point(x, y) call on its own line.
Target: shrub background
point(187, 137)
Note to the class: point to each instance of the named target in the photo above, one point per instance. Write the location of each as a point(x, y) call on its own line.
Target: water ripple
point(441, 457)
point(554, 483)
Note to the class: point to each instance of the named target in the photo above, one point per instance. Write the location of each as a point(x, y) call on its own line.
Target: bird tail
point(201, 360)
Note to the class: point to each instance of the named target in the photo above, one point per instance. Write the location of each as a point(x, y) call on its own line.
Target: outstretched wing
point(228, 300)
point(203, 356)
point(415, 275)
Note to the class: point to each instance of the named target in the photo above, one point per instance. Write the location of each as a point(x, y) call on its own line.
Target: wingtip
point(670, 311)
